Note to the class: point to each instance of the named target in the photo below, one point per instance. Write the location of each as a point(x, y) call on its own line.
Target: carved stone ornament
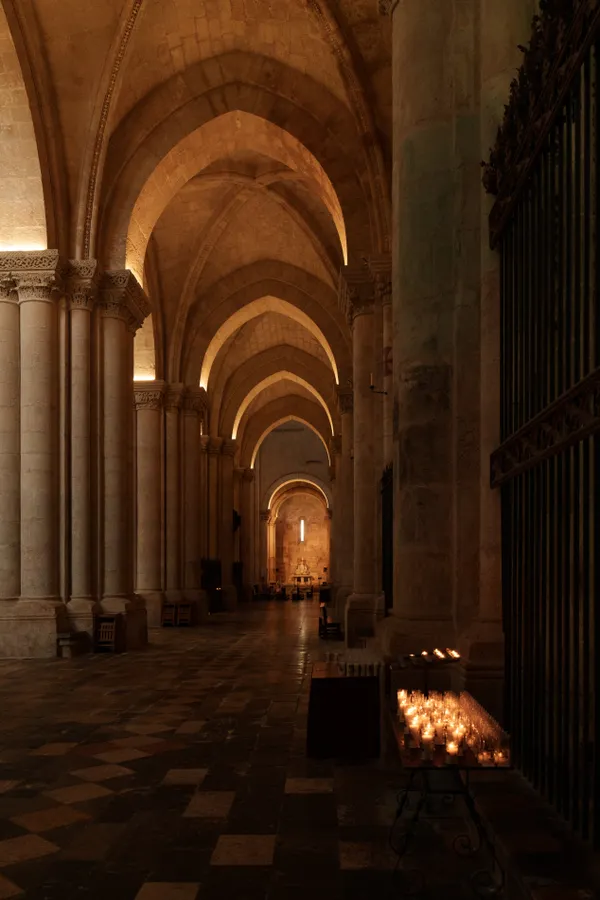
point(215, 446)
point(265, 515)
point(194, 400)
point(345, 400)
point(121, 297)
point(561, 37)
point(248, 475)
point(229, 447)
point(82, 283)
point(174, 396)
point(356, 294)
point(35, 275)
point(149, 398)
point(569, 420)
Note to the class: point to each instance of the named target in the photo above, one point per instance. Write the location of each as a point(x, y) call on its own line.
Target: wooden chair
point(106, 634)
point(184, 614)
point(327, 627)
point(169, 615)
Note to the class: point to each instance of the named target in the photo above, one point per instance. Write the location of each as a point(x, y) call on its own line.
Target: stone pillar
point(272, 548)
point(247, 536)
point(10, 464)
point(335, 452)
point(381, 270)
point(41, 612)
point(83, 288)
point(123, 307)
point(193, 408)
point(226, 537)
point(214, 517)
point(357, 298)
point(345, 504)
point(263, 550)
point(149, 403)
point(173, 505)
point(203, 523)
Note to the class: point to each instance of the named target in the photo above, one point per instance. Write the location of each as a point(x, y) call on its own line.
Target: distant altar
point(302, 574)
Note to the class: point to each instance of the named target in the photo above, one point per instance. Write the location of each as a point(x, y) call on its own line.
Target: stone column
point(335, 451)
point(345, 504)
point(271, 548)
point(381, 270)
point(357, 298)
point(193, 408)
point(173, 506)
point(214, 516)
point(83, 288)
point(41, 612)
point(263, 550)
point(123, 307)
point(247, 536)
point(203, 523)
point(10, 464)
point(226, 537)
point(149, 404)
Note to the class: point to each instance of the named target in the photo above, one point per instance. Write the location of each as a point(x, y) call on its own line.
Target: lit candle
point(428, 745)
point(500, 758)
point(451, 751)
point(484, 758)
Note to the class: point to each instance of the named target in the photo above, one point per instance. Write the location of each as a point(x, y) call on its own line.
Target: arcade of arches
point(245, 270)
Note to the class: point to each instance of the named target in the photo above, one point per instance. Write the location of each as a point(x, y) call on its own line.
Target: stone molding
point(194, 400)
point(204, 443)
point(122, 297)
point(229, 447)
point(174, 396)
point(82, 283)
point(345, 398)
point(215, 445)
point(34, 275)
point(151, 396)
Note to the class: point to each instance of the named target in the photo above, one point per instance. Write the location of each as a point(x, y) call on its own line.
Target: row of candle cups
point(453, 722)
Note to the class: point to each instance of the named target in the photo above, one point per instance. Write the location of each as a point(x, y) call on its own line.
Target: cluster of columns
point(66, 448)
point(185, 502)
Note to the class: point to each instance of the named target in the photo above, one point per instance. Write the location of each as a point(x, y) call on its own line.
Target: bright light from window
point(301, 531)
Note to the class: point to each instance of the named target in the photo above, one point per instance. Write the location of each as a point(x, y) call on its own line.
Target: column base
point(363, 611)
point(136, 620)
point(153, 601)
point(29, 627)
point(229, 597)
point(199, 602)
point(81, 612)
point(402, 635)
point(174, 597)
point(481, 670)
point(340, 601)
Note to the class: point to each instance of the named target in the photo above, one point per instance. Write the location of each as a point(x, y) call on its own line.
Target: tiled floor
point(180, 773)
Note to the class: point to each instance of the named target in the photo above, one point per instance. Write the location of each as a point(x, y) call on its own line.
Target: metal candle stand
point(423, 767)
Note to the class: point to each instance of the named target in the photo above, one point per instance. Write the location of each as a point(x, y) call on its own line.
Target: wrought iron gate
point(545, 172)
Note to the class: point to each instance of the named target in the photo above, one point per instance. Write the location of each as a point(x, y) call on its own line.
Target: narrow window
point(301, 531)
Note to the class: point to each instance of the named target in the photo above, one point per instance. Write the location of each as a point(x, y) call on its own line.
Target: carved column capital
point(345, 397)
point(215, 445)
point(204, 443)
point(83, 278)
point(356, 295)
point(387, 7)
point(122, 297)
point(174, 396)
point(335, 444)
point(248, 475)
point(229, 447)
point(265, 515)
point(194, 400)
point(380, 268)
point(149, 395)
point(37, 275)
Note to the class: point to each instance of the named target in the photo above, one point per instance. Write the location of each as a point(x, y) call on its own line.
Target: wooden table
point(343, 715)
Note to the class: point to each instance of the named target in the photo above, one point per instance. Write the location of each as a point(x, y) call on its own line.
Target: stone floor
point(180, 773)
